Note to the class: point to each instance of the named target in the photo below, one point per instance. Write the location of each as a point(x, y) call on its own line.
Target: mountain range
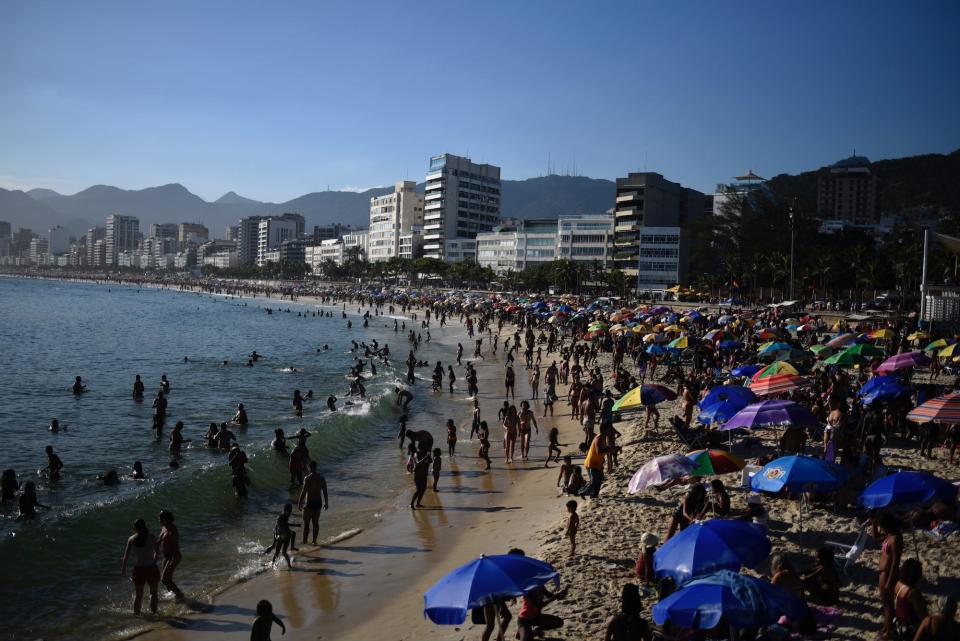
point(39, 209)
point(925, 180)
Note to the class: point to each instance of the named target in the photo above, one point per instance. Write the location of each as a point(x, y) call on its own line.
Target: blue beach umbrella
point(656, 349)
point(906, 489)
point(876, 382)
point(730, 344)
point(704, 548)
point(746, 370)
point(775, 347)
point(798, 474)
point(885, 393)
point(725, 392)
point(745, 602)
point(720, 411)
point(483, 581)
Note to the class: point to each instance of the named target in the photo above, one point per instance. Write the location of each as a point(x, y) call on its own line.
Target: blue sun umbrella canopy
point(798, 474)
point(729, 344)
point(746, 370)
point(885, 392)
point(875, 382)
point(726, 392)
point(483, 581)
point(656, 349)
point(743, 601)
point(721, 411)
point(907, 489)
point(776, 347)
point(704, 548)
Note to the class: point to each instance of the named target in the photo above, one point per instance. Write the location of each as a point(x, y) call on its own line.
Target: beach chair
point(691, 439)
point(747, 473)
point(850, 553)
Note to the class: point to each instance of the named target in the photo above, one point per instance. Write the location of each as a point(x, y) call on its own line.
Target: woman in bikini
point(891, 550)
point(511, 424)
point(169, 546)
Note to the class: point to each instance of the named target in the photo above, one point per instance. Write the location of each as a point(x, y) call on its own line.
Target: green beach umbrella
point(865, 349)
point(822, 351)
point(844, 359)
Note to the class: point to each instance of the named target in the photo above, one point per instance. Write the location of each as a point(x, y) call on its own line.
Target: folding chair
point(850, 553)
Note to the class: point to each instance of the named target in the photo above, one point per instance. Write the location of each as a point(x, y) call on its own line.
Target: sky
point(277, 99)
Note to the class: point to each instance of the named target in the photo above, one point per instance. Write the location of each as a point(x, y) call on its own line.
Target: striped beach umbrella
point(841, 340)
point(778, 384)
point(713, 462)
point(679, 343)
point(943, 409)
point(775, 368)
point(903, 361)
point(644, 395)
point(937, 344)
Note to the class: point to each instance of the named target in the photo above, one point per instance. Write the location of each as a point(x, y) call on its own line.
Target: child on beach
point(484, 453)
point(573, 523)
point(553, 449)
point(451, 437)
point(283, 537)
point(264, 622)
point(437, 463)
point(648, 543)
point(566, 470)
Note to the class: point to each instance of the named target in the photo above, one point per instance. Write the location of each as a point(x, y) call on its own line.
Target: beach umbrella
point(943, 409)
point(770, 413)
point(866, 350)
point(950, 350)
point(725, 392)
point(775, 368)
point(726, 319)
point(644, 395)
point(777, 384)
point(741, 600)
point(679, 343)
point(842, 340)
point(875, 382)
point(792, 354)
point(729, 344)
point(481, 582)
point(903, 361)
point(822, 351)
point(714, 462)
point(906, 489)
point(660, 469)
point(720, 411)
point(918, 336)
point(884, 393)
point(767, 333)
point(745, 370)
point(882, 334)
point(715, 335)
point(671, 328)
point(937, 344)
point(844, 359)
point(798, 474)
point(704, 548)
point(773, 347)
point(656, 349)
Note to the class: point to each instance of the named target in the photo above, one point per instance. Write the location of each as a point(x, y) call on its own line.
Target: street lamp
point(792, 205)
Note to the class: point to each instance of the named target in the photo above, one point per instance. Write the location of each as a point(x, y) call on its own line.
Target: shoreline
point(483, 507)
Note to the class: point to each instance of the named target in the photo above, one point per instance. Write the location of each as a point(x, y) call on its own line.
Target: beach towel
point(943, 529)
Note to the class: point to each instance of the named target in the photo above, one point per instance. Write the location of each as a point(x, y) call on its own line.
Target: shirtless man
point(54, 464)
point(313, 498)
point(403, 397)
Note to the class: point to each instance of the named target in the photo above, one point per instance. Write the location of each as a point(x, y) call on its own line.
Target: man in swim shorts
point(313, 499)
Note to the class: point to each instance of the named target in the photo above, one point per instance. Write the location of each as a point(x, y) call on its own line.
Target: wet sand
point(370, 586)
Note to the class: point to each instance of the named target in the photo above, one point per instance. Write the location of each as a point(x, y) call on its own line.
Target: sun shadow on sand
point(327, 572)
point(467, 508)
point(331, 561)
point(377, 549)
point(206, 625)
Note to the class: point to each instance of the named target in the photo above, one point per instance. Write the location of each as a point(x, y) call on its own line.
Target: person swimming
point(332, 403)
point(138, 473)
point(28, 503)
point(78, 386)
point(54, 464)
point(55, 425)
point(164, 384)
point(110, 478)
point(240, 418)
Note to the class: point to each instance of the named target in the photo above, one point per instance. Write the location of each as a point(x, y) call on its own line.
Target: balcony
point(628, 196)
point(435, 205)
point(434, 195)
point(628, 212)
point(432, 227)
point(434, 216)
point(434, 175)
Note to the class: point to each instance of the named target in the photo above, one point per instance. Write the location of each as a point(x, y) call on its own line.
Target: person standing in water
point(313, 499)
point(54, 464)
point(143, 546)
point(297, 403)
point(240, 418)
point(138, 388)
point(78, 386)
point(169, 546)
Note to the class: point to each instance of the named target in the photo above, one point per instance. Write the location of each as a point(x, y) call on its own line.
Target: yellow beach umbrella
point(918, 336)
point(883, 334)
point(949, 350)
point(671, 328)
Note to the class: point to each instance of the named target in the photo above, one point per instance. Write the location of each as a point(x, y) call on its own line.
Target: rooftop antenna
point(644, 160)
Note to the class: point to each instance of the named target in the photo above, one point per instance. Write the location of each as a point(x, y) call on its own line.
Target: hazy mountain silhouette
point(535, 197)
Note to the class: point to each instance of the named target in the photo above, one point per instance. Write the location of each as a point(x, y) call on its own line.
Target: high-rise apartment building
point(849, 192)
point(163, 230)
point(121, 235)
point(90, 238)
point(39, 248)
point(581, 238)
point(273, 230)
point(331, 231)
point(58, 240)
point(232, 233)
point(747, 186)
point(462, 199)
point(248, 238)
point(192, 232)
point(392, 216)
point(5, 230)
point(651, 217)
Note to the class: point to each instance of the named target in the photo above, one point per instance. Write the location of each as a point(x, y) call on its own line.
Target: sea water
point(60, 573)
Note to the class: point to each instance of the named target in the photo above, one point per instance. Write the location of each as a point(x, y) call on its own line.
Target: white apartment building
point(317, 255)
point(462, 200)
point(586, 238)
point(122, 232)
point(270, 233)
point(357, 242)
point(580, 238)
point(222, 259)
point(39, 248)
point(411, 244)
point(392, 216)
point(660, 258)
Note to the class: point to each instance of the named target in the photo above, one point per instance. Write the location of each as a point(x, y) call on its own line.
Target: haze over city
point(276, 101)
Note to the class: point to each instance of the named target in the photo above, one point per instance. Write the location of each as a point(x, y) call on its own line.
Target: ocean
point(60, 573)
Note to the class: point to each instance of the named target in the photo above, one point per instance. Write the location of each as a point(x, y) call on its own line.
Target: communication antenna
point(644, 160)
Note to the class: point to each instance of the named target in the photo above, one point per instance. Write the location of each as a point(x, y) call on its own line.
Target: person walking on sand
point(475, 419)
point(573, 524)
point(264, 622)
point(169, 546)
point(420, 462)
point(511, 425)
point(143, 546)
point(526, 416)
point(484, 452)
point(451, 438)
point(437, 466)
point(535, 383)
point(313, 499)
point(509, 381)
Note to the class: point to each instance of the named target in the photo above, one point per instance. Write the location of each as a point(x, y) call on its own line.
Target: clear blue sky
point(276, 99)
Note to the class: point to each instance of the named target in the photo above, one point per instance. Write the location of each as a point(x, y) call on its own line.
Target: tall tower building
point(462, 199)
point(391, 216)
point(248, 237)
point(849, 192)
point(122, 232)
